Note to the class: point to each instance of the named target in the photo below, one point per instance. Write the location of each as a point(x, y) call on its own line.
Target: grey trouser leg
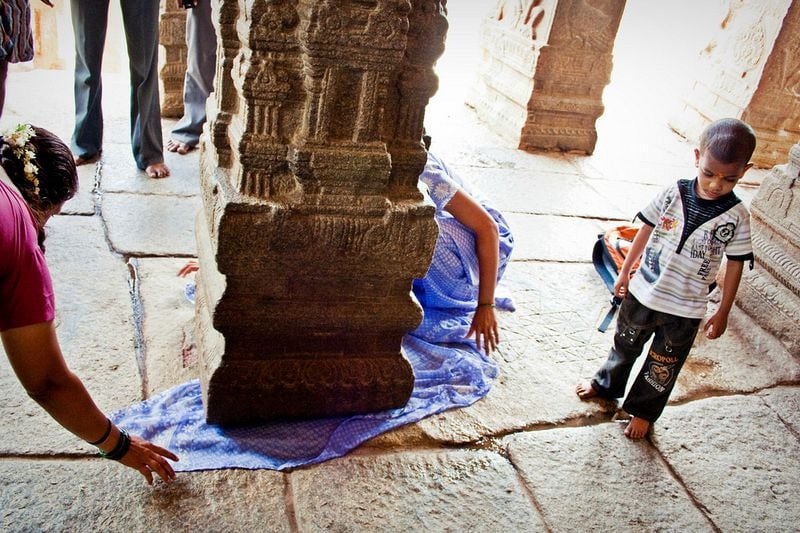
point(201, 42)
point(140, 19)
point(89, 23)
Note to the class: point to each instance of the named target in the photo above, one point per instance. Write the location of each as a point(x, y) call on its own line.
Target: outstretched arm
point(487, 247)
point(635, 252)
point(718, 322)
point(36, 358)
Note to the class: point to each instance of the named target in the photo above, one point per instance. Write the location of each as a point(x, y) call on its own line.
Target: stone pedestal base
point(309, 317)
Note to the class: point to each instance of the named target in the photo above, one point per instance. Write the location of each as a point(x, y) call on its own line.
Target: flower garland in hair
point(17, 139)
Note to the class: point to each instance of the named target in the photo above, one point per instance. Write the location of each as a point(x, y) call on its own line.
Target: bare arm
point(35, 356)
point(487, 247)
point(718, 322)
point(637, 248)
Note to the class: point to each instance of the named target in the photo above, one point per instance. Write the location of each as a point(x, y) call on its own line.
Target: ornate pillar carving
point(770, 293)
point(546, 63)
point(172, 36)
point(313, 227)
point(751, 71)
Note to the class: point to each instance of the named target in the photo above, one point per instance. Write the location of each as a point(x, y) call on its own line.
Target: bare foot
point(179, 147)
point(637, 428)
point(85, 160)
point(157, 170)
point(584, 390)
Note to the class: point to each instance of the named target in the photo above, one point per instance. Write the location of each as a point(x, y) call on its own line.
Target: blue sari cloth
point(449, 370)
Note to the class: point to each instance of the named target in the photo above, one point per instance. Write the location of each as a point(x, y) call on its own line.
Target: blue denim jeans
point(673, 337)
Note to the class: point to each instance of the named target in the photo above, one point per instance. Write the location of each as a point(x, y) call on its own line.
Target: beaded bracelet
point(120, 449)
point(484, 305)
point(102, 439)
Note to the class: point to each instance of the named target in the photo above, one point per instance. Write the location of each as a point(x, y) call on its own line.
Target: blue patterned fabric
point(445, 377)
point(449, 371)
point(449, 291)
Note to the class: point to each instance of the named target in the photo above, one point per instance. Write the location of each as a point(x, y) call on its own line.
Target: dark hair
point(58, 176)
point(729, 140)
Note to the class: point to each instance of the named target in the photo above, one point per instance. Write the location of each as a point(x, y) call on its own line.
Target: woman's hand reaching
point(147, 458)
point(484, 326)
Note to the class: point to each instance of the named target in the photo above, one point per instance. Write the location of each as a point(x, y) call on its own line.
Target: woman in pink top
point(37, 175)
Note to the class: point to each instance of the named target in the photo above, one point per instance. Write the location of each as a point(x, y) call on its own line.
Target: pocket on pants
point(679, 334)
point(633, 319)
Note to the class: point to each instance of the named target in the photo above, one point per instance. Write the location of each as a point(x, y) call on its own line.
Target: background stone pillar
point(311, 232)
point(545, 65)
point(172, 36)
point(751, 71)
point(770, 293)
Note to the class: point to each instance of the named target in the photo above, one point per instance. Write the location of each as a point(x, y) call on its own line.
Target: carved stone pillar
point(313, 226)
point(44, 22)
point(751, 71)
point(546, 63)
point(172, 36)
point(770, 293)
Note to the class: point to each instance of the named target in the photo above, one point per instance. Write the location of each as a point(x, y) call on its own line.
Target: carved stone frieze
point(547, 63)
point(750, 70)
point(771, 292)
point(172, 36)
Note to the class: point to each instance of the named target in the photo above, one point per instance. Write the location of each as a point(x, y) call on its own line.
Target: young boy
point(686, 230)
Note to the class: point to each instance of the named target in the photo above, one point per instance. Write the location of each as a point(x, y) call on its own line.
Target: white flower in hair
point(17, 138)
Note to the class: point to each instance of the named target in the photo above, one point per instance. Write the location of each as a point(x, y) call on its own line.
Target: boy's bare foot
point(584, 390)
point(637, 428)
point(179, 147)
point(157, 170)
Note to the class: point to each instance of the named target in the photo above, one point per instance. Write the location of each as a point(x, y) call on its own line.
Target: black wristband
point(102, 439)
point(120, 449)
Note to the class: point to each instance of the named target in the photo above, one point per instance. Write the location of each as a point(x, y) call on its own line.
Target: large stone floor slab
point(737, 458)
point(416, 491)
point(594, 479)
point(553, 238)
point(120, 173)
point(98, 495)
point(151, 225)
point(168, 323)
point(564, 194)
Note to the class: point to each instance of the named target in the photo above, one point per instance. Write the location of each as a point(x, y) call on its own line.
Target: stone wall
point(771, 292)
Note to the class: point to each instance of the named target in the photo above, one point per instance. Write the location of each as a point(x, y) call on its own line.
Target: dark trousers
point(672, 339)
point(89, 23)
point(3, 76)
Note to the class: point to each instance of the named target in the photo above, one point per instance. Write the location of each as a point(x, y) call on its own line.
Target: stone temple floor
point(530, 456)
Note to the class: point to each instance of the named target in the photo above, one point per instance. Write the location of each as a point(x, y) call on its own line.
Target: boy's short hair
point(729, 140)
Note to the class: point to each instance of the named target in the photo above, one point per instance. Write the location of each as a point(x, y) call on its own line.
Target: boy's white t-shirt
point(674, 276)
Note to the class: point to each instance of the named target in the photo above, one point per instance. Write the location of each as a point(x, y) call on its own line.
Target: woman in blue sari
point(470, 257)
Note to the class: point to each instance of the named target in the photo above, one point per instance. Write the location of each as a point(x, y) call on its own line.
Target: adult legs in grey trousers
point(140, 20)
point(201, 41)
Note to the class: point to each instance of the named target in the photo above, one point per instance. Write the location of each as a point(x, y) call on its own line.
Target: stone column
point(770, 293)
point(312, 225)
point(44, 23)
point(172, 36)
point(751, 71)
point(546, 63)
